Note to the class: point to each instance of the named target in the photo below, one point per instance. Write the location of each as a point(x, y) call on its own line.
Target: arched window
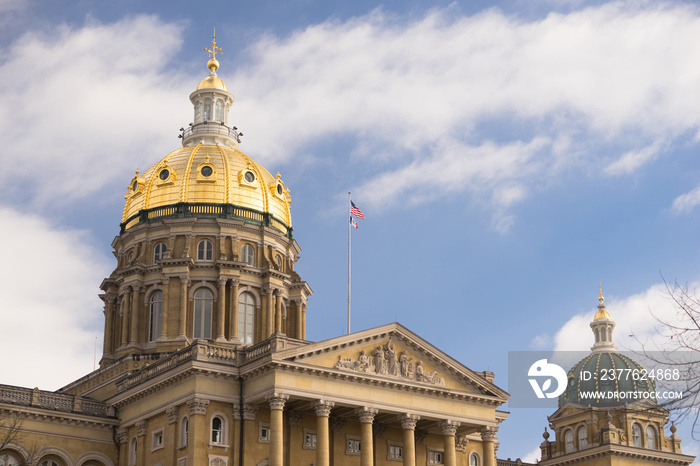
point(636, 435)
point(207, 110)
point(219, 111)
point(582, 438)
point(8, 459)
point(569, 442)
point(248, 254)
point(203, 305)
point(205, 250)
point(246, 314)
point(48, 463)
point(133, 450)
point(159, 251)
point(651, 437)
point(473, 460)
point(184, 431)
point(156, 307)
point(218, 430)
point(198, 112)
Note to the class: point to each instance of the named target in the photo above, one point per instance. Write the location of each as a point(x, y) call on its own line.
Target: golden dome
point(208, 174)
point(212, 82)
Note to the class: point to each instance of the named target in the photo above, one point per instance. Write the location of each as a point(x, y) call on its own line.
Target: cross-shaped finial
point(213, 49)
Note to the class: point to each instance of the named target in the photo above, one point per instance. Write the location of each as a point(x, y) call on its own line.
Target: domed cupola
point(212, 102)
point(601, 368)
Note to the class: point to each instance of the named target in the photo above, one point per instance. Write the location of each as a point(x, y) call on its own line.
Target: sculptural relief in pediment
point(383, 360)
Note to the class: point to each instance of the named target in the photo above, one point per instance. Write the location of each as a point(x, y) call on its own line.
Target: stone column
point(408, 424)
point(233, 311)
point(303, 321)
point(488, 436)
point(182, 325)
point(449, 429)
point(141, 432)
point(269, 324)
point(198, 429)
point(126, 305)
point(123, 436)
point(109, 322)
point(366, 444)
point(221, 310)
point(171, 433)
point(250, 431)
point(278, 312)
point(164, 310)
point(323, 410)
point(276, 402)
point(135, 295)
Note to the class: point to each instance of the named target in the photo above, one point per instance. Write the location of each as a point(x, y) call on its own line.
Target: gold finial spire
point(212, 50)
point(602, 312)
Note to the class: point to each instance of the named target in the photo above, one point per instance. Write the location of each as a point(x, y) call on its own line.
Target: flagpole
point(349, 233)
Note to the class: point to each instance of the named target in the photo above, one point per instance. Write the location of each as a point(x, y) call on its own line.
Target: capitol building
point(206, 363)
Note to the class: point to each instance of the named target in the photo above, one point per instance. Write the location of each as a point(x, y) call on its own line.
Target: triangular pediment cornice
point(345, 348)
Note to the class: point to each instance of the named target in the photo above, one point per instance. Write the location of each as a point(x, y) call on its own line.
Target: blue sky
point(509, 156)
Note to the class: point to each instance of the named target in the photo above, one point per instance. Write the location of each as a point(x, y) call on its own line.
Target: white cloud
point(532, 457)
point(79, 107)
point(440, 105)
point(686, 202)
point(631, 161)
point(637, 319)
point(599, 81)
point(50, 312)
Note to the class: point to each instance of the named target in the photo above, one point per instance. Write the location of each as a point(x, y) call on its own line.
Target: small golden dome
point(212, 82)
point(602, 313)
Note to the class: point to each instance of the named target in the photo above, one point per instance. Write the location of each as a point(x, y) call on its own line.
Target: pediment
point(393, 354)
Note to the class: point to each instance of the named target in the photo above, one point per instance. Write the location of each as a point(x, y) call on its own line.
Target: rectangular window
point(157, 440)
point(353, 445)
point(436, 457)
point(263, 432)
point(394, 451)
point(309, 439)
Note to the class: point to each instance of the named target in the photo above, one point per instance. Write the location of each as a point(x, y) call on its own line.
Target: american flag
point(354, 210)
point(353, 222)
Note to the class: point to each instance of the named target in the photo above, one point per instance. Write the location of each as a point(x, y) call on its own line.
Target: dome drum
point(206, 210)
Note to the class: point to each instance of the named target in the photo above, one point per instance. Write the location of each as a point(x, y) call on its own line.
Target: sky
point(510, 157)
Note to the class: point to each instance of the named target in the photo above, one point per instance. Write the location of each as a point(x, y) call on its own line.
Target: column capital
point(366, 414)
point(222, 281)
point(337, 424)
point(323, 407)
point(277, 400)
point(197, 406)
point(294, 418)
point(408, 421)
point(141, 428)
point(489, 433)
point(449, 427)
point(249, 412)
point(172, 414)
point(123, 434)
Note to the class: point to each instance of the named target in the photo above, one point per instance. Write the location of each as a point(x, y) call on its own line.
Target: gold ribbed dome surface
point(212, 82)
point(206, 174)
point(601, 314)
